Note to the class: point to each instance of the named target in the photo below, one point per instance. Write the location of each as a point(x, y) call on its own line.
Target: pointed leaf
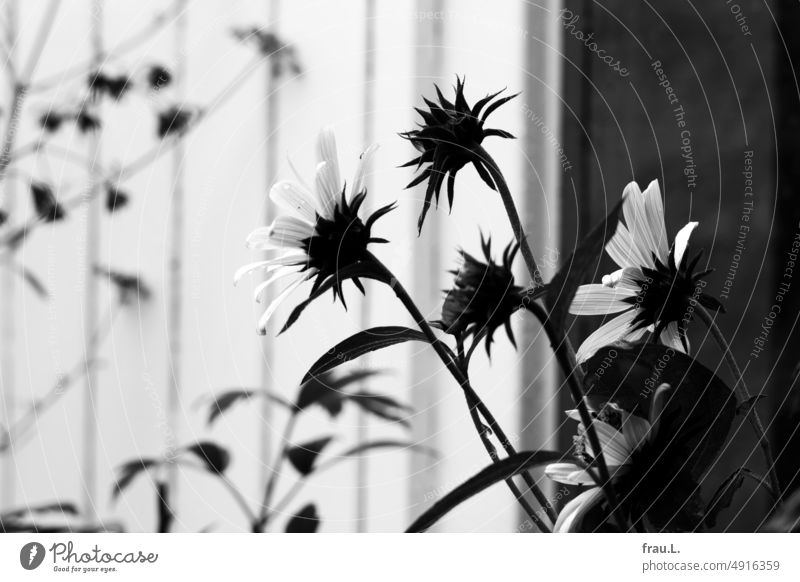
point(327, 391)
point(494, 473)
point(215, 457)
point(35, 283)
point(573, 273)
point(303, 457)
point(129, 471)
point(381, 406)
point(222, 402)
point(304, 521)
point(362, 343)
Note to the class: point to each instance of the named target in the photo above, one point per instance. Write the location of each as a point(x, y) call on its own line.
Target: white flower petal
point(270, 265)
point(571, 517)
point(273, 306)
point(327, 152)
point(682, 241)
point(287, 231)
point(654, 210)
point(608, 333)
point(277, 275)
point(298, 177)
point(671, 338)
point(327, 192)
point(568, 473)
point(362, 169)
point(292, 196)
point(624, 251)
point(574, 414)
point(636, 430)
point(637, 223)
point(599, 300)
point(613, 443)
point(659, 401)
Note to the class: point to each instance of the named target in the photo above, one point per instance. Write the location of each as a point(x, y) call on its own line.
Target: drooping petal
point(671, 338)
point(571, 517)
point(285, 231)
point(297, 176)
point(636, 430)
point(599, 300)
point(327, 152)
point(625, 252)
point(613, 443)
point(654, 210)
point(608, 333)
point(637, 222)
point(273, 306)
point(325, 188)
point(288, 259)
point(682, 241)
point(568, 473)
point(657, 406)
point(291, 196)
point(362, 169)
point(277, 275)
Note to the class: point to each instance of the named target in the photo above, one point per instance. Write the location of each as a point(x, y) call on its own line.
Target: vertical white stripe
point(175, 264)
point(362, 462)
point(8, 281)
point(91, 290)
point(428, 46)
point(542, 215)
point(272, 114)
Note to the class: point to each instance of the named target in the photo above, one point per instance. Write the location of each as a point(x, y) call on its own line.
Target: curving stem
point(744, 396)
point(473, 400)
point(558, 342)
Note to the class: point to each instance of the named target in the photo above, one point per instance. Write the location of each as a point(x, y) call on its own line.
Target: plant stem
point(513, 215)
point(744, 396)
point(557, 341)
point(237, 495)
point(473, 400)
point(522, 239)
point(265, 512)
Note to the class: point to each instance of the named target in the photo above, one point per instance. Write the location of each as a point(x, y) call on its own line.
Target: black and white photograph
point(399, 266)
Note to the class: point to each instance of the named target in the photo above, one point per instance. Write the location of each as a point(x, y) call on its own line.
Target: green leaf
point(303, 457)
point(581, 263)
point(223, 401)
point(363, 342)
point(327, 391)
point(381, 406)
point(304, 521)
point(494, 473)
point(215, 457)
point(362, 269)
point(698, 414)
point(129, 471)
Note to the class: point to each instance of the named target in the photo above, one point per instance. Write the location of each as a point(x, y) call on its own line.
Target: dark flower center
point(668, 293)
point(483, 297)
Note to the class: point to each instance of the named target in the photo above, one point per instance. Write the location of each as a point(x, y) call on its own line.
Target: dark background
point(738, 93)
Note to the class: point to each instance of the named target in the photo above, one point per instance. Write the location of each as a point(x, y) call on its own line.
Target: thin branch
point(744, 396)
point(473, 400)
